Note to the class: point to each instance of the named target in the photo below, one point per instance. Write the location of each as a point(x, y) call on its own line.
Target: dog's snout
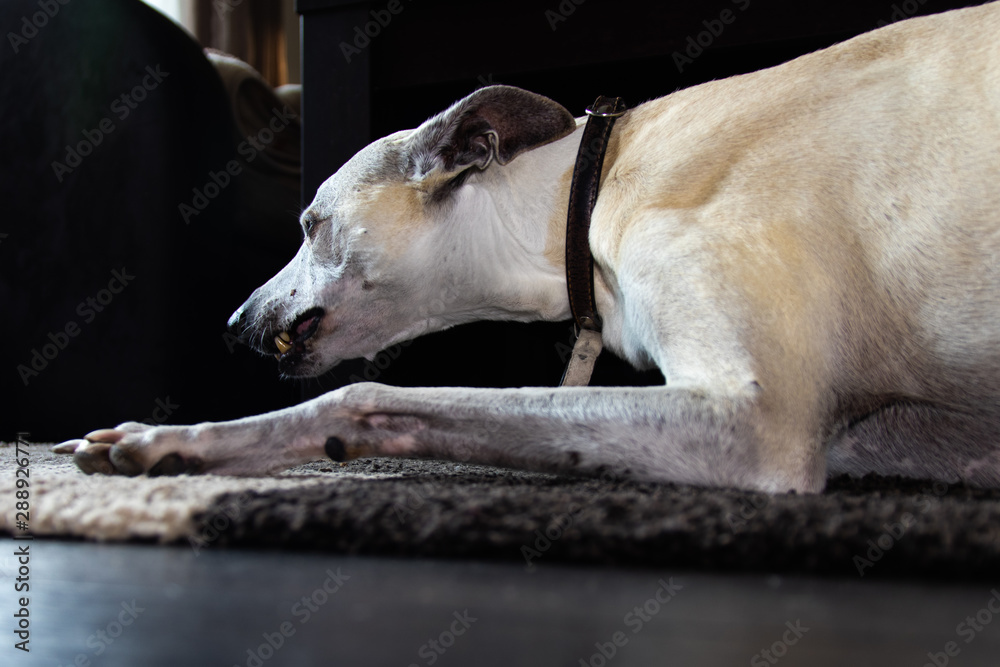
point(237, 324)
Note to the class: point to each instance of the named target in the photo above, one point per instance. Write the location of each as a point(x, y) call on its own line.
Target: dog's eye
point(307, 225)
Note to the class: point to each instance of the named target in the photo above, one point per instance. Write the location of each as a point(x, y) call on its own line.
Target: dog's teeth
point(283, 341)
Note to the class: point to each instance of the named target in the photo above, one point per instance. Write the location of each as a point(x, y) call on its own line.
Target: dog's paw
point(128, 449)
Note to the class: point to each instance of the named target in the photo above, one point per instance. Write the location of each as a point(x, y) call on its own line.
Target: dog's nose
point(237, 324)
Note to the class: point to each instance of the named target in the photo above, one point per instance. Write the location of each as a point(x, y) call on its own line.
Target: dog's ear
point(494, 123)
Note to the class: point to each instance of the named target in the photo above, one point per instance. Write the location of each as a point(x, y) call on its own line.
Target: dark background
point(160, 342)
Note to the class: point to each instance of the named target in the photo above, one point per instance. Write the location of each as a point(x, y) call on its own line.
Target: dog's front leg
point(660, 434)
point(652, 433)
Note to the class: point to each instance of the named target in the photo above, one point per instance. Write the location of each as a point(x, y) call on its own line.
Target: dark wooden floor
point(178, 607)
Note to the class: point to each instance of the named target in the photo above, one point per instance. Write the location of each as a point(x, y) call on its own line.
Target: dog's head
point(393, 246)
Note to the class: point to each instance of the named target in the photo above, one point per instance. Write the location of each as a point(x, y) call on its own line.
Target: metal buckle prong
point(604, 111)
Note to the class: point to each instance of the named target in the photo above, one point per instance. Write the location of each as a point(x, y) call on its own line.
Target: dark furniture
point(92, 183)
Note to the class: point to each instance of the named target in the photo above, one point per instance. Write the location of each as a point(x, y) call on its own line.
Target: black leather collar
point(579, 260)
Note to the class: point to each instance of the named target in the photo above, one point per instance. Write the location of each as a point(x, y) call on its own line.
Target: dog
point(808, 253)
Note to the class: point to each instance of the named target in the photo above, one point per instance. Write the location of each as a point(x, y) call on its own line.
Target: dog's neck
point(519, 211)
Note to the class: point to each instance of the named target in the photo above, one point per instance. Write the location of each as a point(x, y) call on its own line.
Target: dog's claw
point(109, 435)
point(68, 447)
point(92, 457)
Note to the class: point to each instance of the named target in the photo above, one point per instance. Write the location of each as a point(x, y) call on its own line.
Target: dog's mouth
point(291, 343)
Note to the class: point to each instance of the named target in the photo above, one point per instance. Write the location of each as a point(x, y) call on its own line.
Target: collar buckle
point(579, 260)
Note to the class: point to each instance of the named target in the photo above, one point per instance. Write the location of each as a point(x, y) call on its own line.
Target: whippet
point(808, 253)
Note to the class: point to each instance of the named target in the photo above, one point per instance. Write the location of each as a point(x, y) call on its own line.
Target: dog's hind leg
point(652, 433)
point(921, 441)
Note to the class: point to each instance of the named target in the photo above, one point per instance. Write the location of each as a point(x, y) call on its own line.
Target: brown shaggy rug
point(870, 527)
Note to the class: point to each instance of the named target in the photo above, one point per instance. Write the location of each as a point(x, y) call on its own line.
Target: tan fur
point(395, 211)
point(555, 236)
